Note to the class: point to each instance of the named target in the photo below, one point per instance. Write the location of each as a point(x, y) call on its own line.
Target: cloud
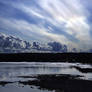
point(65, 21)
point(32, 30)
point(30, 11)
point(68, 12)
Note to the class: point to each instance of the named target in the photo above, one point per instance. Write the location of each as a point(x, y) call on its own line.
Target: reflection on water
point(10, 72)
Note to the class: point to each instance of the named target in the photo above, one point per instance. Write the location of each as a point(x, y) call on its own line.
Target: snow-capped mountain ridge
point(12, 44)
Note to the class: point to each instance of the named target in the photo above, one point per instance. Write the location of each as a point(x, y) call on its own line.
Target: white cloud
point(73, 14)
point(30, 11)
point(69, 12)
point(32, 30)
point(69, 15)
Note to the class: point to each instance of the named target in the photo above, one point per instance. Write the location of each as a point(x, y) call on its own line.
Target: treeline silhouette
point(46, 57)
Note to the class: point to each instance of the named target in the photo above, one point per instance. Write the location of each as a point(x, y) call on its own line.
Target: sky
point(65, 21)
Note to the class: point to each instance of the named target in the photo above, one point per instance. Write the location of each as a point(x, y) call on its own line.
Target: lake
point(13, 73)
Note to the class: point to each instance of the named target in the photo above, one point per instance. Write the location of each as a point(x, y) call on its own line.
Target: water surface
point(10, 72)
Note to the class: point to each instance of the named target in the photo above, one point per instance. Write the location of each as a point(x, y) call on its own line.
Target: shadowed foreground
point(60, 83)
point(47, 57)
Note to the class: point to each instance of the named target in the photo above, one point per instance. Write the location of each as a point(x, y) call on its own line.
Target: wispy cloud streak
point(70, 17)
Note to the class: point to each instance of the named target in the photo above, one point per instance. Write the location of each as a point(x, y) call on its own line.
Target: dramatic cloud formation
point(65, 21)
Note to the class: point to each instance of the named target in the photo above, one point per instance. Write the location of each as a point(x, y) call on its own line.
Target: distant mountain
point(56, 46)
point(90, 50)
point(11, 44)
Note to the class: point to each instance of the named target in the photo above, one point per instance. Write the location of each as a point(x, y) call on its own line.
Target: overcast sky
point(66, 21)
